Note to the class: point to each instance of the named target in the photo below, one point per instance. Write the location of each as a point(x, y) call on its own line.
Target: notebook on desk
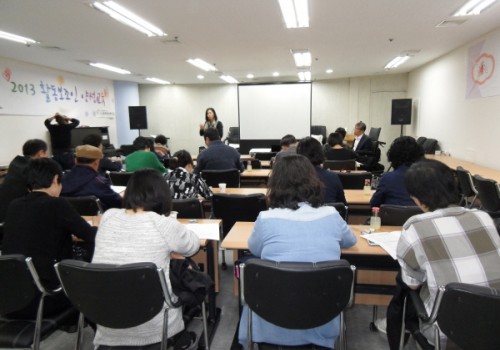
point(386, 240)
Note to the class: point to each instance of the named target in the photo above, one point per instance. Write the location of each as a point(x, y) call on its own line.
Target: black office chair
point(467, 314)
point(374, 133)
point(86, 205)
point(430, 146)
point(125, 150)
point(119, 178)
point(319, 130)
point(396, 215)
point(1, 236)
point(231, 177)
point(19, 287)
point(467, 188)
point(256, 164)
point(264, 155)
point(349, 164)
point(341, 208)
point(321, 291)
point(421, 140)
point(117, 296)
point(236, 207)
point(354, 181)
point(190, 208)
point(233, 136)
point(489, 195)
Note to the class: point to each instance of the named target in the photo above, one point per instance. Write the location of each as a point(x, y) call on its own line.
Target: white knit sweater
point(142, 237)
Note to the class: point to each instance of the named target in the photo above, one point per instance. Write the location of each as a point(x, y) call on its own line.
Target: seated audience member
point(143, 231)
point(362, 142)
point(217, 155)
point(445, 244)
point(40, 225)
point(336, 150)
point(183, 183)
point(161, 148)
point(404, 151)
point(143, 157)
point(342, 131)
point(288, 145)
point(296, 228)
point(84, 180)
point(312, 150)
point(15, 182)
point(106, 164)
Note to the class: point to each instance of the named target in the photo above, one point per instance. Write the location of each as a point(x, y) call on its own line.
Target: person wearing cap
point(84, 180)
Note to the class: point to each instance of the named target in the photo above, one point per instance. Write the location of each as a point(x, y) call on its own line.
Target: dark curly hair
point(404, 151)
point(294, 180)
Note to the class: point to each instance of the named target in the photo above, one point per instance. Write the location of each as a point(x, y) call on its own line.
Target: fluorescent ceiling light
point(16, 38)
point(250, 76)
point(276, 74)
point(110, 68)
point(329, 71)
point(295, 13)
point(229, 79)
point(127, 17)
point(304, 76)
point(396, 62)
point(197, 62)
point(302, 58)
point(201, 77)
point(158, 81)
point(474, 7)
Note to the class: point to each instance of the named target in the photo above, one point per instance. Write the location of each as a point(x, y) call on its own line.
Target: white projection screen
point(270, 111)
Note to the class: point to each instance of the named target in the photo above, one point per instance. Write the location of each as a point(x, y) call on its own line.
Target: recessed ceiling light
point(302, 58)
point(329, 71)
point(198, 62)
point(201, 77)
point(304, 75)
point(276, 74)
point(16, 38)
point(396, 62)
point(474, 7)
point(110, 68)
point(158, 81)
point(295, 13)
point(250, 76)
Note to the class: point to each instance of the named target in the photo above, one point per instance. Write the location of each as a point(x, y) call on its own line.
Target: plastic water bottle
point(367, 189)
point(375, 219)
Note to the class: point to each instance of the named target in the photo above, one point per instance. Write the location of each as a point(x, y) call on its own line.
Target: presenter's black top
point(60, 135)
point(216, 124)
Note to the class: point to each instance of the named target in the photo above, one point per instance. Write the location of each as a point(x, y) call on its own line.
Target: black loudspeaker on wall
point(401, 111)
point(138, 117)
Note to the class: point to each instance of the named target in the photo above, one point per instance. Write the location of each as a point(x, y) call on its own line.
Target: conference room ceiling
point(353, 37)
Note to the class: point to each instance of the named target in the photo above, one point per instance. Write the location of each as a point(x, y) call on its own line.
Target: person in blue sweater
point(296, 228)
point(404, 151)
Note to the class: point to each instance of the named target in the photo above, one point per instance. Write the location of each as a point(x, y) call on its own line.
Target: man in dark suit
point(362, 143)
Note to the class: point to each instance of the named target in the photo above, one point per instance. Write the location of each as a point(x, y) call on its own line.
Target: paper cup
point(222, 187)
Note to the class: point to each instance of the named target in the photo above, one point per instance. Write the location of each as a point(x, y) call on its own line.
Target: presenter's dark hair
point(361, 126)
point(33, 146)
point(287, 140)
point(183, 158)
point(93, 140)
point(335, 138)
point(212, 134)
point(312, 150)
point(213, 111)
point(161, 139)
point(342, 132)
point(294, 180)
point(404, 151)
point(140, 143)
point(432, 183)
point(147, 190)
point(41, 171)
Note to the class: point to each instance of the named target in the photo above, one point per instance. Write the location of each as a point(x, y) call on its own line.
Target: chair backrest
point(264, 155)
point(86, 205)
point(231, 177)
point(396, 215)
point(374, 133)
point(256, 164)
point(465, 181)
point(114, 296)
point(341, 208)
point(127, 149)
point(190, 208)
point(488, 192)
point(17, 289)
point(354, 181)
point(349, 164)
point(421, 140)
point(430, 146)
point(468, 315)
point(320, 291)
point(319, 130)
point(233, 136)
point(120, 178)
point(237, 207)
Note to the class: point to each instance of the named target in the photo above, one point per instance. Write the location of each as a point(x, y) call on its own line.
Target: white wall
point(126, 94)
point(467, 128)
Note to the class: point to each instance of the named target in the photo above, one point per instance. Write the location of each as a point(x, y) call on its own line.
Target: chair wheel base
point(373, 328)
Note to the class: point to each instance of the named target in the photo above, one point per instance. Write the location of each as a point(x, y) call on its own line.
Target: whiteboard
point(270, 111)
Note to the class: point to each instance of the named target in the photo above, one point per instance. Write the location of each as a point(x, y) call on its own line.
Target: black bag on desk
point(188, 282)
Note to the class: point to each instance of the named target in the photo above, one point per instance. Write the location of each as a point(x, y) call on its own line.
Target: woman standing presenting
point(211, 122)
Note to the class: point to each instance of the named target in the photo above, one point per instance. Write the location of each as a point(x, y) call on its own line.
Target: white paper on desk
point(205, 231)
point(118, 189)
point(387, 240)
